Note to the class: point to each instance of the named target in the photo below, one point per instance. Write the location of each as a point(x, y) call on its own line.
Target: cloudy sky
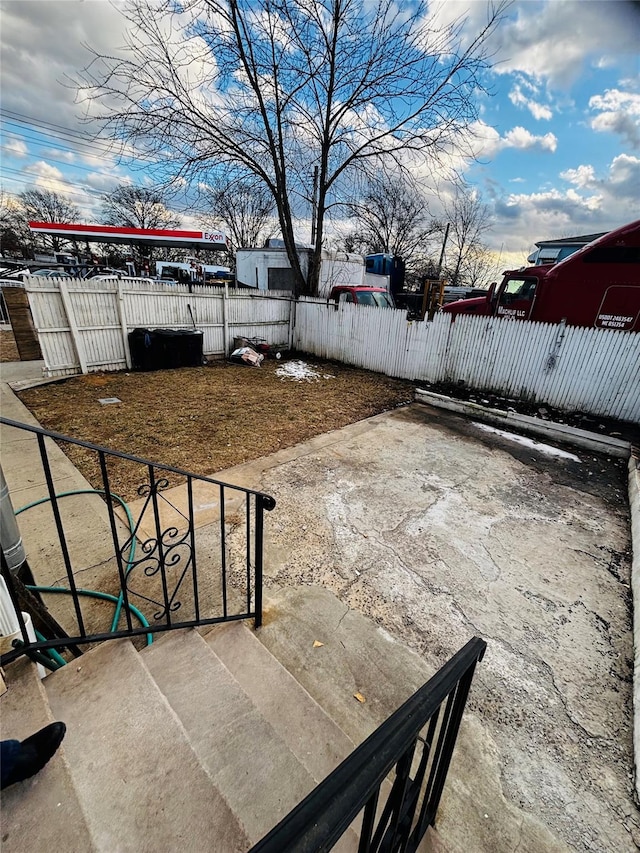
point(558, 141)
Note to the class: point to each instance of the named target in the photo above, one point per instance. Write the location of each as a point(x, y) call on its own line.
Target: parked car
point(103, 272)
point(377, 297)
point(46, 273)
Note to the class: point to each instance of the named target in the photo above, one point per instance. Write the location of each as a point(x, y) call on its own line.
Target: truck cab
point(599, 285)
point(377, 297)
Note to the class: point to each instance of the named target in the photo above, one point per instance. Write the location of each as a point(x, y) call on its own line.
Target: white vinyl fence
point(83, 325)
point(592, 370)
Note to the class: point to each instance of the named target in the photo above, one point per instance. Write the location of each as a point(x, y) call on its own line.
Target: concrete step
point(41, 813)
point(139, 782)
point(261, 778)
point(311, 735)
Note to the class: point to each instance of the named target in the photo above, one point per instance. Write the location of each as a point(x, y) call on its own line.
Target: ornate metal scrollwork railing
point(187, 552)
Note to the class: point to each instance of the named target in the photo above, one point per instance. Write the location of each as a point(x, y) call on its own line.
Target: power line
point(71, 137)
point(44, 139)
point(53, 160)
point(94, 194)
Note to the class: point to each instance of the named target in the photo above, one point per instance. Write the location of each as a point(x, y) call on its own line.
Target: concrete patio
point(438, 530)
point(398, 538)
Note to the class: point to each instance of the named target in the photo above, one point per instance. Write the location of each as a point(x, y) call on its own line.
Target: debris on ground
point(300, 371)
point(248, 356)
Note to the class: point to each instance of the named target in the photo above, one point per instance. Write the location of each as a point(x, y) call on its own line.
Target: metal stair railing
point(418, 741)
point(156, 557)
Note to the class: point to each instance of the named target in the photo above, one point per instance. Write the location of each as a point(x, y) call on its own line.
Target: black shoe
point(35, 752)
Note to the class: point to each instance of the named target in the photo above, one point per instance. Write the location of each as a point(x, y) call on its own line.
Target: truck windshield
point(370, 297)
point(518, 288)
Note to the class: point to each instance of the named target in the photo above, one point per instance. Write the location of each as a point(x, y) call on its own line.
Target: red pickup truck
point(599, 285)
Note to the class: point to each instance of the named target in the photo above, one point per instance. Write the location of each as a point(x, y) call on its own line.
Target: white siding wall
point(591, 370)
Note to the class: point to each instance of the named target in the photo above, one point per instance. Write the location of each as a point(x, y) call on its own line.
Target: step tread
point(126, 746)
point(273, 689)
point(261, 778)
point(44, 812)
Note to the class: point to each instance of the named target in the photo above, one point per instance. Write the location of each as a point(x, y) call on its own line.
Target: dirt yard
point(210, 418)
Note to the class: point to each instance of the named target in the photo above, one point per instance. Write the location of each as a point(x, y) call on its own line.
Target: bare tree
point(15, 237)
point(137, 207)
point(48, 206)
point(392, 216)
point(479, 267)
point(469, 220)
point(244, 206)
point(282, 87)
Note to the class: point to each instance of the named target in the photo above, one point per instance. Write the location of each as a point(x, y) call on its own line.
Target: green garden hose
point(119, 600)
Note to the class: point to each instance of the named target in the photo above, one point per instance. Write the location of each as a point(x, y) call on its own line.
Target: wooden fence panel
point(84, 325)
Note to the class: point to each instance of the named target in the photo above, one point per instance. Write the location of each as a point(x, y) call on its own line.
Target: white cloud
point(619, 113)
point(556, 41)
point(14, 146)
point(582, 177)
point(105, 181)
point(595, 201)
point(487, 143)
point(44, 176)
point(625, 181)
point(538, 111)
point(519, 137)
point(43, 43)
point(42, 169)
point(57, 154)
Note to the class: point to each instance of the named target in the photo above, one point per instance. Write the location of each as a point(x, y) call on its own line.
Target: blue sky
point(558, 141)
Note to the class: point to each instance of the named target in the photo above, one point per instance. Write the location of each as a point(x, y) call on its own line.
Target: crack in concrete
point(520, 835)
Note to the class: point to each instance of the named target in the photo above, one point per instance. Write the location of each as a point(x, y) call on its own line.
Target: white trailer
point(269, 269)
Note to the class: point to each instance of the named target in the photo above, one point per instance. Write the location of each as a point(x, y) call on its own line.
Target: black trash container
point(160, 349)
point(143, 353)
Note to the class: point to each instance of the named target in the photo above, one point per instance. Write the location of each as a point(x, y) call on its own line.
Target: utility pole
point(444, 243)
point(314, 206)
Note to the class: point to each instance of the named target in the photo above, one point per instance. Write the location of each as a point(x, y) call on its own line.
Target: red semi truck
point(599, 285)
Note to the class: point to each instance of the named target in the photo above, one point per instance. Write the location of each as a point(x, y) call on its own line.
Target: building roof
point(571, 241)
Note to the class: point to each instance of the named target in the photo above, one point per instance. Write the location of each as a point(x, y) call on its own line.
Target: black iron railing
point(175, 558)
point(418, 741)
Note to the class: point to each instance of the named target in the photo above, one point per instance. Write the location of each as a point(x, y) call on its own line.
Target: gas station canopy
point(211, 240)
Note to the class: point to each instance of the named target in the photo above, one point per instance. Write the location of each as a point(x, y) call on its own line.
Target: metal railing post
point(259, 560)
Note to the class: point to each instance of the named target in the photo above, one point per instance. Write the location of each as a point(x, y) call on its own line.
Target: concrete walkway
point(85, 518)
point(439, 530)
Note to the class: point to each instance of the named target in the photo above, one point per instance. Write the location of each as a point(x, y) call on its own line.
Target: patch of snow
point(529, 442)
point(300, 371)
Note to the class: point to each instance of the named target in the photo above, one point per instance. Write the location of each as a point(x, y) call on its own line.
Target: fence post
point(225, 321)
point(73, 326)
point(123, 322)
point(292, 321)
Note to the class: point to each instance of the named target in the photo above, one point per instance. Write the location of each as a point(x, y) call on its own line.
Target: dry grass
point(8, 348)
point(205, 419)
